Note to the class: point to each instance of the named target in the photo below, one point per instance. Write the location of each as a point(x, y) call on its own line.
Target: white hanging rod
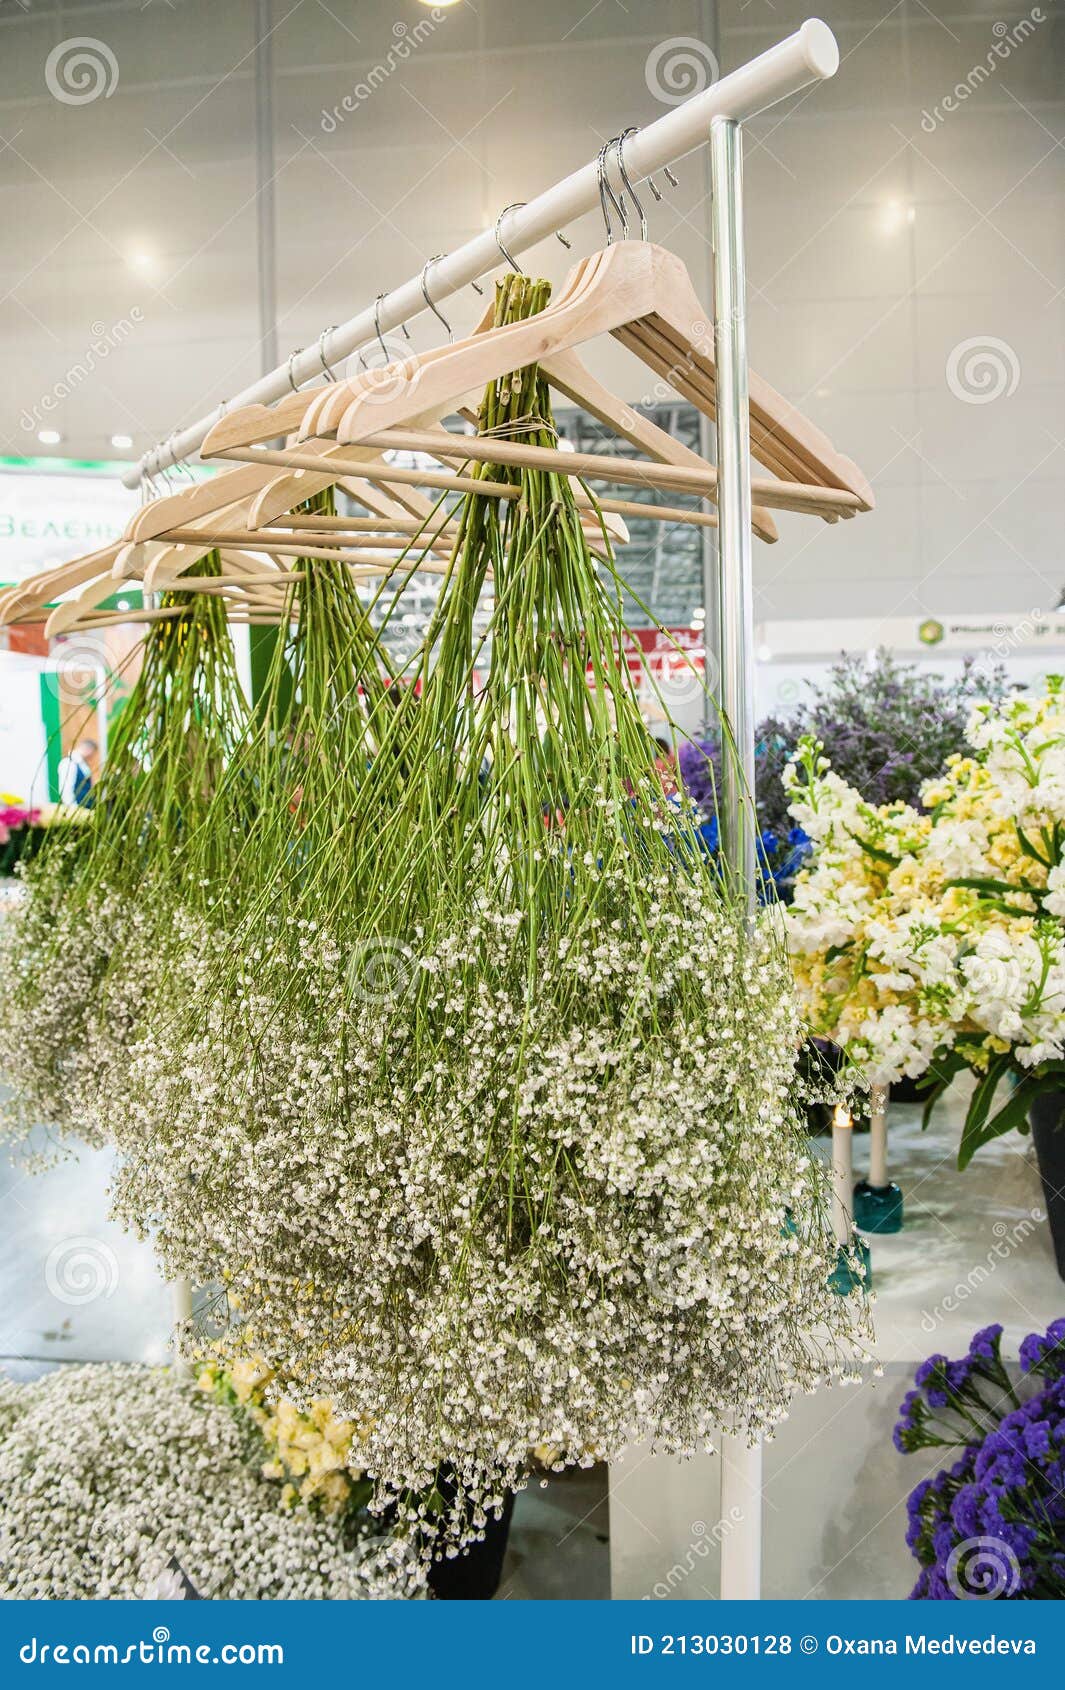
point(810, 55)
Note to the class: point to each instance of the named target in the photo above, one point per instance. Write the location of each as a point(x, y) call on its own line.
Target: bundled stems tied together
point(474, 1085)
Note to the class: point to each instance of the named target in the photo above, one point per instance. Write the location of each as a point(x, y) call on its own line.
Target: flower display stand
point(878, 1203)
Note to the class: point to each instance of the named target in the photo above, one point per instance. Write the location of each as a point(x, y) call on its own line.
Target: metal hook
point(513, 206)
point(606, 191)
point(386, 355)
point(437, 313)
point(327, 372)
point(291, 359)
point(620, 149)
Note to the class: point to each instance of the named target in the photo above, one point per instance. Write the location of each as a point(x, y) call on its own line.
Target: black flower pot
point(474, 1576)
point(1047, 1116)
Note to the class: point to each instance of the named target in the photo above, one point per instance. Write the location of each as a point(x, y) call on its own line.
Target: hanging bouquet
point(937, 938)
point(123, 1482)
point(993, 1523)
point(87, 949)
point(481, 1099)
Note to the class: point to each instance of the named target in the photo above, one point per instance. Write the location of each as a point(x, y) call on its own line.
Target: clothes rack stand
point(715, 117)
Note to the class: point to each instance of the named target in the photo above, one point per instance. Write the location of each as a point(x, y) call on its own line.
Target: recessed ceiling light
point(122, 442)
point(141, 260)
point(49, 436)
point(765, 654)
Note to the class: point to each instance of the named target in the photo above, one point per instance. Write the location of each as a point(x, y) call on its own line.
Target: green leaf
point(975, 1131)
point(935, 1082)
point(876, 851)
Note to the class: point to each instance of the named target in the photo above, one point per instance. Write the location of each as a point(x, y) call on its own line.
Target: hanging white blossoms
point(654, 1264)
point(111, 1475)
point(920, 933)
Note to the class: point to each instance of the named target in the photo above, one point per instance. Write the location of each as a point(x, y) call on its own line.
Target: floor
point(73, 1287)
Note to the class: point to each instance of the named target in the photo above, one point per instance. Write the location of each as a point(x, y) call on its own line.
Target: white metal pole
point(878, 1165)
point(741, 1463)
point(807, 56)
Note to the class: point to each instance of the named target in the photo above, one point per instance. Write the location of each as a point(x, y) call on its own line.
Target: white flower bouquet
point(112, 1475)
point(935, 939)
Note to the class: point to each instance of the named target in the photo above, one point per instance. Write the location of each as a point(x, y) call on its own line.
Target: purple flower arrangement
point(993, 1523)
point(886, 728)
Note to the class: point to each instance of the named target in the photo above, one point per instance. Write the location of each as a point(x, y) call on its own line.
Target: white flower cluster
point(109, 1474)
point(915, 933)
point(589, 1218)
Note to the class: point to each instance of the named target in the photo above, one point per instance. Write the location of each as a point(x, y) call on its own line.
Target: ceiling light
point(894, 215)
point(764, 654)
point(141, 260)
point(122, 442)
point(49, 436)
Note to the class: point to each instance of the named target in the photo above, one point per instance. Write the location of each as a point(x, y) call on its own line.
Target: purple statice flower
point(965, 1510)
point(907, 1426)
point(1008, 1484)
point(984, 1345)
point(1044, 1352)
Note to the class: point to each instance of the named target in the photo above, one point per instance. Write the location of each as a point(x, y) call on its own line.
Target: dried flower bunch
point(77, 952)
point(479, 1097)
point(939, 936)
point(109, 1474)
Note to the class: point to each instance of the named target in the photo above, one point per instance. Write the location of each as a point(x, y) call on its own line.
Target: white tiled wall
point(876, 248)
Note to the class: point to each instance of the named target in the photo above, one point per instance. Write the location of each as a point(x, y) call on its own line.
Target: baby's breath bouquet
point(125, 1483)
point(86, 947)
point(940, 935)
point(481, 1102)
